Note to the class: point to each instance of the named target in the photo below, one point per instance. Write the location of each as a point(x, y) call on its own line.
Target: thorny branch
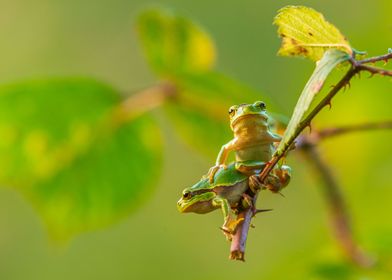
point(240, 237)
point(155, 96)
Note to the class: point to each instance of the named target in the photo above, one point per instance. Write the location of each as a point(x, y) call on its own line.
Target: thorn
point(329, 104)
point(348, 84)
point(257, 211)
point(310, 127)
point(281, 194)
point(252, 225)
point(359, 74)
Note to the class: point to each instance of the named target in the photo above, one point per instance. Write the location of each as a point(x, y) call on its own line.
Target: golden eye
point(232, 110)
point(186, 195)
point(260, 104)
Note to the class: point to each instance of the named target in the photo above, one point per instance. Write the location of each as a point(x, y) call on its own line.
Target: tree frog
point(225, 192)
point(253, 144)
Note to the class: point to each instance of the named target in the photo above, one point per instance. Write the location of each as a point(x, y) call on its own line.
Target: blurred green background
point(98, 39)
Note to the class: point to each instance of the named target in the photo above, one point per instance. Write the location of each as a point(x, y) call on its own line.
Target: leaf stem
point(143, 101)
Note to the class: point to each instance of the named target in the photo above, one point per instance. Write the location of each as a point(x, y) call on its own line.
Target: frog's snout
point(180, 205)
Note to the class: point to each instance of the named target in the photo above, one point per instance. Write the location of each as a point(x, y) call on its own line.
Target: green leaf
point(184, 55)
point(60, 148)
point(305, 32)
point(329, 61)
point(174, 44)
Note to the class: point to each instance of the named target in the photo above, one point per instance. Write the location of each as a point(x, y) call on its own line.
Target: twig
point(142, 102)
point(337, 207)
point(374, 59)
point(375, 70)
point(337, 131)
point(238, 243)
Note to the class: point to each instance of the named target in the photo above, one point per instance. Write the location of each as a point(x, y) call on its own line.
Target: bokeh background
point(97, 39)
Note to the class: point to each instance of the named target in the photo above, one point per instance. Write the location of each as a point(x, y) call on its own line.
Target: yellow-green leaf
point(174, 44)
point(324, 66)
point(305, 32)
point(59, 148)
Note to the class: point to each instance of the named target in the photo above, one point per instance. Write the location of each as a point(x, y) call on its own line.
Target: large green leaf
point(60, 148)
point(329, 61)
point(173, 44)
point(305, 32)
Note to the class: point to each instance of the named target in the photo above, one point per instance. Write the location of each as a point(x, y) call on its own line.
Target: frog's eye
point(260, 104)
point(232, 110)
point(186, 195)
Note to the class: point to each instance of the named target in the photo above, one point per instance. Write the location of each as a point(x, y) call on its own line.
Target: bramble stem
point(237, 249)
point(357, 66)
point(143, 101)
point(306, 122)
point(337, 207)
point(337, 131)
point(375, 70)
point(374, 59)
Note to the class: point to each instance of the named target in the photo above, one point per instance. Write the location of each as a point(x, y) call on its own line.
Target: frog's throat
point(261, 114)
point(184, 204)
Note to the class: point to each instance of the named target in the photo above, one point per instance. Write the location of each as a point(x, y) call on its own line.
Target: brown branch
point(306, 122)
point(142, 102)
point(239, 238)
point(375, 70)
point(238, 243)
point(341, 223)
point(337, 131)
point(374, 59)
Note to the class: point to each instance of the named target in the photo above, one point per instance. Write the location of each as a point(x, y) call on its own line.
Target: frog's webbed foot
point(255, 183)
point(278, 179)
point(275, 182)
point(212, 171)
point(230, 221)
point(229, 227)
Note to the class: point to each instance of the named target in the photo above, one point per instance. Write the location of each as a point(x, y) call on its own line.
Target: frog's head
point(246, 112)
point(198, 198)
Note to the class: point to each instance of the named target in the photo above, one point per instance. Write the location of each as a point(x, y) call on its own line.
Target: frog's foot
point(227, 233)
point(255, 183)
point(273, 183)
point(229, 227)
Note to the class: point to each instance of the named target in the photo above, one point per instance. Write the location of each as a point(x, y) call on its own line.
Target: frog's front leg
point(230, 220)
point(276, 180)
point(221, 159)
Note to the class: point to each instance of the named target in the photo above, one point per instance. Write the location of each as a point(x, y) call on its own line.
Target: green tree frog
point(253, 144)
point(226, 192)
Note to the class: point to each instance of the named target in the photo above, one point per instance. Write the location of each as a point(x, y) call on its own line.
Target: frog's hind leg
point(230, 220)
point(275, 182)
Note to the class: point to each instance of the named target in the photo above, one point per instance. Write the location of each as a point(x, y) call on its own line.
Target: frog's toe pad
point(255, 183)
